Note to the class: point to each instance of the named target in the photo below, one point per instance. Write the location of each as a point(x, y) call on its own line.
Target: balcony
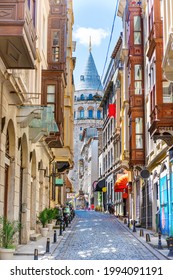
point(161, 123)
point(17, 35)
point(54, 140)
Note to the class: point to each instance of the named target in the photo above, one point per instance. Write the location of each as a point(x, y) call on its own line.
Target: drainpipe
point(50, 163)
point(6, 79)
point(146, 202)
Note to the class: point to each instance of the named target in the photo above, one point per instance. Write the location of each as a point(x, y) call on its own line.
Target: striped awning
point(121, 183)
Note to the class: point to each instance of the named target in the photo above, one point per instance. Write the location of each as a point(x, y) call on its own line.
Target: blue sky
point(94, 18)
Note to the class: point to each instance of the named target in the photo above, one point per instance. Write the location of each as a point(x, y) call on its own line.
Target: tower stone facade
point(87, 113)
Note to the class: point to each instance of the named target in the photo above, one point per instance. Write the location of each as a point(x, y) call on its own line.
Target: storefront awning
point(121, 183)
point(100, 186)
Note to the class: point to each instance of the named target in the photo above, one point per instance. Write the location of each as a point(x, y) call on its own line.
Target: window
point(90, 114)
point(137, 30)
point(80, 136)
point(139, 133)
point(99, 114)
point(82, 97)
point(82, 77)
point(55, 46)
point(74, 114)
point(138, 79)
point(80, 128)
point(167, 92)
point(90, 96)
point(109, 160)
point(104, 142)
point(31, 6)
point(112, 157)
point(51, 96)
point(82, 114)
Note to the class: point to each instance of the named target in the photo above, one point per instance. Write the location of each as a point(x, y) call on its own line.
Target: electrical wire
point(110, 39)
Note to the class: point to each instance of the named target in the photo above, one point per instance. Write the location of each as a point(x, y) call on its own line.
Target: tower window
point(90, 96)
point(82, 97)
point(98, 114)
point(90, 114)
point(82, 114)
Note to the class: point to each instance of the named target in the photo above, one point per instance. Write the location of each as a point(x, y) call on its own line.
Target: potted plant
point(50, 217)
point(43, 219)
point(8, 230)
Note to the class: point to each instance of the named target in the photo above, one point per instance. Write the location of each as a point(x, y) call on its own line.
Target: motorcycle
point(111, 208)
point(66, 215)
point(59, 216)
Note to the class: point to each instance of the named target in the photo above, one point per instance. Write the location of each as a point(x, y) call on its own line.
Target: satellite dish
point(145, 174)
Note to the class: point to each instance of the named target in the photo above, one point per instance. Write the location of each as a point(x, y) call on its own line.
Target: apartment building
point(147, 87)
point(36, 82)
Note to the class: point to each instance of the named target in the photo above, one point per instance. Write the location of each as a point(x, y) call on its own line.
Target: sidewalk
point(152, 245)
point(26, 252)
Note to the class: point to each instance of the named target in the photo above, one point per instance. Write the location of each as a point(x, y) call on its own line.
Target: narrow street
point(98, 236)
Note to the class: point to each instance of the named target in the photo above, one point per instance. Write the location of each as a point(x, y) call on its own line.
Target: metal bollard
point(48, 245)
point(66, 222)
point(128, 223)
point(159, 240)
point(134, 226)
point(36, 254)
point(54, 237)
point(141, 233)
point(147, 237)
point(60, 229)
point(63, 226)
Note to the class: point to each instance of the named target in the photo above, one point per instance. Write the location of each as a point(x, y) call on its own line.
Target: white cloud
point(83, 34)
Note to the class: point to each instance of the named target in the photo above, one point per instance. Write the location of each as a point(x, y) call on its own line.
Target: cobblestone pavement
point(97, 236)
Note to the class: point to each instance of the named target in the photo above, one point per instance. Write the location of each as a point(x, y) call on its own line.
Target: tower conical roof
point(90, 78)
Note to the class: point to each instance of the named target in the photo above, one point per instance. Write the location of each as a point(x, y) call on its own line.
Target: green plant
point(8, 229)
point(43, 217)
point(50, 214)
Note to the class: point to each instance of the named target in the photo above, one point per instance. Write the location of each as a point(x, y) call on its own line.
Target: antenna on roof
point(90, 45)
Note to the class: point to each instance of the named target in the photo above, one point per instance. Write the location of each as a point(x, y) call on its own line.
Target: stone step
point(35, 236)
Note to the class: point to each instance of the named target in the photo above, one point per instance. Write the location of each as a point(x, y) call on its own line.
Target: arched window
point(99, 114)
point(81, 113)
point(82, 97)
point(90, 114)
point(74, 114)
point(75, 98)
point(90, 97)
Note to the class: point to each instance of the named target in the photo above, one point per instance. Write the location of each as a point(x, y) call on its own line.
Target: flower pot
point(44, 232)
point(50, 226)
point(6, 254)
